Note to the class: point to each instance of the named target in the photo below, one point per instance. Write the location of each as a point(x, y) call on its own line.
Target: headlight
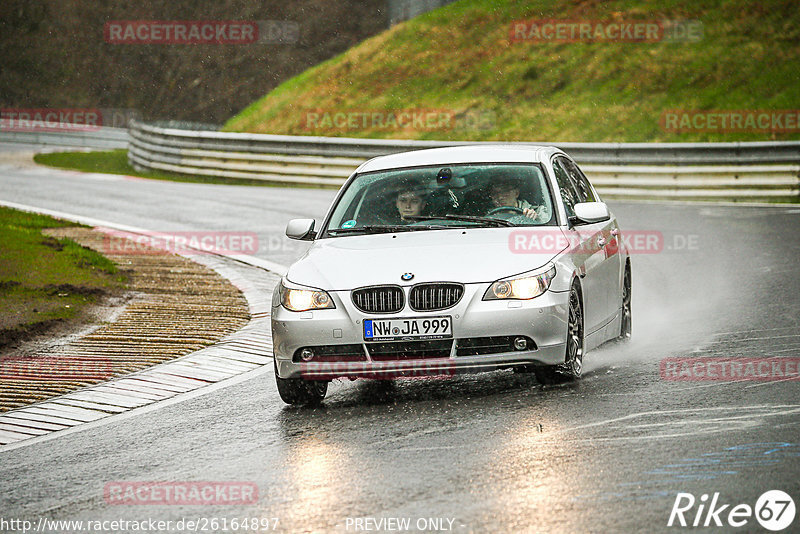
point(305, 299)
point(524, 288)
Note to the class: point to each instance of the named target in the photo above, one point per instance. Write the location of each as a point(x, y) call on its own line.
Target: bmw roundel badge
point(407, 276)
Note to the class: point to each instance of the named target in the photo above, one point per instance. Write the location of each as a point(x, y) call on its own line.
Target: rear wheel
point(572, 367)
point(299, 391)
point(625, 321)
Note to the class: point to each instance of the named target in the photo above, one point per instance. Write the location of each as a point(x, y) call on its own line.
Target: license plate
point(408, 328)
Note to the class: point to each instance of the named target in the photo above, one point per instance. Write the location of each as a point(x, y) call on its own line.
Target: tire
point(625, 322)
point(572, 367)
point(300, 391)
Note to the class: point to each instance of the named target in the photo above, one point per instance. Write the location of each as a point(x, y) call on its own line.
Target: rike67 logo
point(774, 510)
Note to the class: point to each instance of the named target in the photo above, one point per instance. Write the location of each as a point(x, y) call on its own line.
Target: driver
point(505, 193)
point(410, 201)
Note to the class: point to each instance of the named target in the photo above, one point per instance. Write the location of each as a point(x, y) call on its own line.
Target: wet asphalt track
point(493, 452)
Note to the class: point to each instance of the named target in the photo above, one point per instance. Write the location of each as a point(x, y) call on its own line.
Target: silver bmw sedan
point(451, 260)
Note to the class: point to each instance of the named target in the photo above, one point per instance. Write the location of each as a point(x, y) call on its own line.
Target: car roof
point(461, 154)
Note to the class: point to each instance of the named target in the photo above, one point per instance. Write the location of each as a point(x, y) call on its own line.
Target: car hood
point(458, 255)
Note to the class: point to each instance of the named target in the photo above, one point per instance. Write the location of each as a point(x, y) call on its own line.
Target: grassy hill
point(459, 62)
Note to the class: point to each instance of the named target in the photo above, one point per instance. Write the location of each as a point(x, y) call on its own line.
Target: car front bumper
point(542, 319)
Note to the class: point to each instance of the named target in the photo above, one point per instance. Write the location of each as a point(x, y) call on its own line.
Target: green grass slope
point(458, 62)
point(44, 280)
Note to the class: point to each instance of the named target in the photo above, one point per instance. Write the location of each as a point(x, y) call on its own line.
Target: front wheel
point(572, 367)
point(299, 391)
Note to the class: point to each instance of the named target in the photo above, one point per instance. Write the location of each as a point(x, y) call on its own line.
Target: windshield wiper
point(379, 228)
point(467, 218)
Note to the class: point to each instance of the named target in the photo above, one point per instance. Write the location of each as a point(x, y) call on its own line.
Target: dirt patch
point(46, 337)
point(70, 289)
point(52, 243)
point(12, 337)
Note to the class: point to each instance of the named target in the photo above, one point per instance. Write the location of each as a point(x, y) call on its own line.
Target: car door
point(608, 240)
point(612, 265)
point(588, 248)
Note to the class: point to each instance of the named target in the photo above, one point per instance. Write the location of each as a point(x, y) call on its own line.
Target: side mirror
point(302, 229)
point(591, 212)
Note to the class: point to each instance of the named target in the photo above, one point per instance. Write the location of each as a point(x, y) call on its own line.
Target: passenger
point(505, 193)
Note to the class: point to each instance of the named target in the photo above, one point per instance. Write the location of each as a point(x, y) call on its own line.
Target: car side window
point(579, 181)
point(569, 195)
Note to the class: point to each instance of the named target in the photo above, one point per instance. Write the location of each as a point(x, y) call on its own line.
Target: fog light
point(520, 343)
point(306, 355)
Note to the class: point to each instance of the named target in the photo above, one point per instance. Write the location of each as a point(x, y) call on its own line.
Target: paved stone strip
point(241, 351)
point(182, 306)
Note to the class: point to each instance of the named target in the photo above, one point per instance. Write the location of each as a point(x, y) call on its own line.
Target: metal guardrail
point(71, 136)
point(711, 171)
point(617, 153)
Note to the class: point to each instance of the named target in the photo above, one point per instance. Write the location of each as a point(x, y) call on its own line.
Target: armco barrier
point(703, 171)
point(105, 138)
point(685, 171)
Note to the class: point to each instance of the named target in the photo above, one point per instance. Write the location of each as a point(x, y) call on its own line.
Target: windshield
point(443, 196)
